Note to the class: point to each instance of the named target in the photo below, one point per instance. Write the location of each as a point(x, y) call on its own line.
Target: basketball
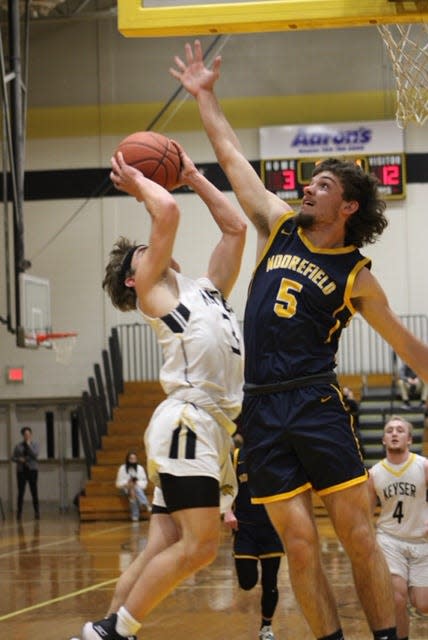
point(155, 155)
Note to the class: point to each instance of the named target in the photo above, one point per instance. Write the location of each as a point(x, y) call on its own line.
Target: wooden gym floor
point(57, 573)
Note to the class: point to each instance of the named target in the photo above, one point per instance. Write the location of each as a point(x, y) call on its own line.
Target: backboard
point(153, 18)
point(35, 306)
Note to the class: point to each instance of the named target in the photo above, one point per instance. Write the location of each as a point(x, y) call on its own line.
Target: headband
point(126, 262)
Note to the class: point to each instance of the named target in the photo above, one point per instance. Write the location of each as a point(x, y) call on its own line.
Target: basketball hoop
point(407, 45)
point(62, 343)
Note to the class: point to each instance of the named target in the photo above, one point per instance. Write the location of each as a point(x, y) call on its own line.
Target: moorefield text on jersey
point(306, 268)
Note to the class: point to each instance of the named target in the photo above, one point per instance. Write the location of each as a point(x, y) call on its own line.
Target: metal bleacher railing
point(362, 350)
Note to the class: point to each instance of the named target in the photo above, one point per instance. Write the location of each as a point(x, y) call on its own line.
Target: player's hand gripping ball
point(155, 155)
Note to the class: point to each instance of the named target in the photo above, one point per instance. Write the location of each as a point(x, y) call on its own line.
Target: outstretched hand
point(193, 74)
point(188, 169)
point(124, 177)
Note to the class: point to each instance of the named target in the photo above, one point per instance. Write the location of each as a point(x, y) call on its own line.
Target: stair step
point(127, 428)
point(122, 441)
point(108, 488)
point(104, 472)
point(107, 508)
point(132, 414)
point(117, 456)
point(149, 400)
point(142, 386)
point(100, 488)
point(104, 503)
point(125, 432)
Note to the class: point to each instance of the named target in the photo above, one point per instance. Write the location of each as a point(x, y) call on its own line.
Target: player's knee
point(360, 542)
point(302, 553)
point(200, 553)
point(419, 599)
point(246, 583)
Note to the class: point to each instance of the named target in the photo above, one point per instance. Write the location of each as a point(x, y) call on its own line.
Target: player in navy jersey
point(189, 435)
point(310, 279)
point(255, 541)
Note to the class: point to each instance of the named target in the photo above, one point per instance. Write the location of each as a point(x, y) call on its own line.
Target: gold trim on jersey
point(271, 238)
point(350, 283)
point(347, 304)
point(343, 485)
point(331, 250)
point(282, 496)
point(281, 220)
point(398, 472)
point(262, 556)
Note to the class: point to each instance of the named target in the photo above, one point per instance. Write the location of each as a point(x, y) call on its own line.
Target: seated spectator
point(131, 479)
point(410, 386)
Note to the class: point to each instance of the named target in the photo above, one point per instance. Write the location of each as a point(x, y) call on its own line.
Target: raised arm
point(261, 206)
point(370, 300)
point(225, 260)
point(155, 294)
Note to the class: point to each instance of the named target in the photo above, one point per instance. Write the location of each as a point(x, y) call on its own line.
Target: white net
point(407, 45)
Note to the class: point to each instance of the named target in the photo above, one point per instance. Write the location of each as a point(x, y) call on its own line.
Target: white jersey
point(402, 491)
point(202, 350)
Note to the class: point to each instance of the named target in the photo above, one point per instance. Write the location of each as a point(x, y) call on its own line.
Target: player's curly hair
point(369, 221)
point(116, 271)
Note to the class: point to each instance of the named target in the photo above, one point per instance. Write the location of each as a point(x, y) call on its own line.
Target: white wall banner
point(340, 138)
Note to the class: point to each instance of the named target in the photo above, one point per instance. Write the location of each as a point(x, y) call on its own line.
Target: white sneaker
point(266, 633)
point(103, 630)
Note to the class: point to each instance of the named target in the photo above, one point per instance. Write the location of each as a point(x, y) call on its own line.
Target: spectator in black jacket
point(25, 454)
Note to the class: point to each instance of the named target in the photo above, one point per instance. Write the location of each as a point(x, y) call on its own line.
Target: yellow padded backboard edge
point(137, 21)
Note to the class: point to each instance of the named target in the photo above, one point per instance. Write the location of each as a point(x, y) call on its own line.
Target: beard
point(305, 220)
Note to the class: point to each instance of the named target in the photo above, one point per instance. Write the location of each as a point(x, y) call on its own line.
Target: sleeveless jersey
point(202, 347)
point(298, 304)
point(401, 489)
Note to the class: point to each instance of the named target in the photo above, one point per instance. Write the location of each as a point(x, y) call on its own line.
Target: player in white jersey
point(189, 436)
point(399, 484)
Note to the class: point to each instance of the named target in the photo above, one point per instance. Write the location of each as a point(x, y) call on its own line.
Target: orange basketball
point(155, 155)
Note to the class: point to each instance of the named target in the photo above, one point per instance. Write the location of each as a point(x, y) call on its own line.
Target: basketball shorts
point(298, 439)
point(256, 541)
point(183, 440)
point(406, 559)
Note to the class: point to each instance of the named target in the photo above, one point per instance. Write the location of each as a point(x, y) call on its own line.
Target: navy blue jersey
point(298, 304)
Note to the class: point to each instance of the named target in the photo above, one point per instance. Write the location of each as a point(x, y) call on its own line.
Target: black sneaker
point(103, 630)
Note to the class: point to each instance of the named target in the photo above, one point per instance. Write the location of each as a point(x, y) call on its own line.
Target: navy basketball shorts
point(298, 439)
point(256, 541)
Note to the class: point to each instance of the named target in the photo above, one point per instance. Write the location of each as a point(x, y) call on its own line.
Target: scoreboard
point(288, 176)
point(290, 153)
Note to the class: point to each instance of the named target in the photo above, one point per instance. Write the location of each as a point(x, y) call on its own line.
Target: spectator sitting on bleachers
point(131, 479)
point(411, 386)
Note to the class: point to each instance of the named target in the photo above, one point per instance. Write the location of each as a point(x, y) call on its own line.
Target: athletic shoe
point(103, 630)
point(266, 633)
